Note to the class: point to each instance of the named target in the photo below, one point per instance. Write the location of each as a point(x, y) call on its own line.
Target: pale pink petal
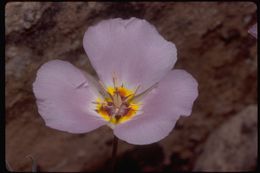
point(253, 30)
point(64, 98)
point(174, 96)
point(133, 49)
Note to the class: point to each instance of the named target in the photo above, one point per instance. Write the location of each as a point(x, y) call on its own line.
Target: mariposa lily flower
point(137, 94)
point(253, 30)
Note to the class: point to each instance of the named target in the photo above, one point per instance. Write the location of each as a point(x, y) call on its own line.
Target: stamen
point(128, 97)
point(117, 107)
point(114, 79)
point(137, 89)
point(141, 95)
point(104, 87)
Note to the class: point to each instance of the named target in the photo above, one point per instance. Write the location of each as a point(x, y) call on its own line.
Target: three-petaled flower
point(137, 94)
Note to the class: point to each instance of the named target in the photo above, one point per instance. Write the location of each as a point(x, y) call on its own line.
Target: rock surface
point(213, 45)
point(233, 146)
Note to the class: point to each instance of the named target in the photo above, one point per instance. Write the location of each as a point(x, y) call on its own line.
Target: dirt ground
point(213, 45)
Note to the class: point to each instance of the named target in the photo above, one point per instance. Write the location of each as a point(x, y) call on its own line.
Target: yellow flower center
point(119, 106)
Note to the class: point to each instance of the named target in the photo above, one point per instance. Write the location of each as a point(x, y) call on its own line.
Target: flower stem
point(115, 142)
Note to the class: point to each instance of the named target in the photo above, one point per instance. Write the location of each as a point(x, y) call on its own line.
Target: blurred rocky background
point(213, 45)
